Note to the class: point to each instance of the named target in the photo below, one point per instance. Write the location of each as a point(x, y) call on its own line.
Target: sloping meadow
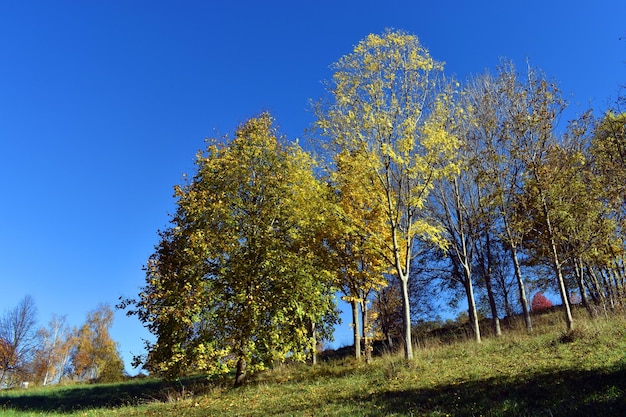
point(548, 373)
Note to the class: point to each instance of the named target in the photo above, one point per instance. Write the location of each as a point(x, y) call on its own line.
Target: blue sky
point(104, 103)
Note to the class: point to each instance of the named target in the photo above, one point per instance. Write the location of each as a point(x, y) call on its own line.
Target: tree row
point(50, 354)
point(420, 182)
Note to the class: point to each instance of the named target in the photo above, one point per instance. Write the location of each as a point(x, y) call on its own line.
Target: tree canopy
point(236, 281)
point(386, 105)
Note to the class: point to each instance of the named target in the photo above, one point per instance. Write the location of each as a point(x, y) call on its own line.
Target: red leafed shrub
point(540, 302)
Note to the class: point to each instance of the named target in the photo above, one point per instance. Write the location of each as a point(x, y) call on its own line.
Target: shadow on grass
point(78, 397)
point(565, 393)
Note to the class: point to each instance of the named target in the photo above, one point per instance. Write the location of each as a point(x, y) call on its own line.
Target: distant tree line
point(55, 353)
point(422, 188)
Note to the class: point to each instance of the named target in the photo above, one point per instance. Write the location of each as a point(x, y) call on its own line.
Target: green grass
point(549, 373)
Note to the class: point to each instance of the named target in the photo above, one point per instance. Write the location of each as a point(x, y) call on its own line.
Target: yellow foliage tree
point(53, 351)
point(385, 104)
point(94, 354)
point(360, 221)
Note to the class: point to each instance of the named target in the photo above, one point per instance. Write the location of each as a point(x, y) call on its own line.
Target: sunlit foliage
point(236, 280)
point(385, 105)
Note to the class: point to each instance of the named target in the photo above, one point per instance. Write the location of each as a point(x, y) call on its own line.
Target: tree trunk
point(619, 294)
point(579, 271)
point(314, 347)
point(614, 283)
point(487, 273)
point(495, 321)
point(501, 284)
point(383, 301)
point(608, 290)
point(367, 341)
point(356, 330)
point(471, 307)
point(595, 290)
point(557, 269)
point(620, 273)
point(523, 299)
point(240, 373)
point(406, 316)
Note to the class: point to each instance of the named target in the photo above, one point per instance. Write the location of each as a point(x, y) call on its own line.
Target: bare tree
point(17, 338)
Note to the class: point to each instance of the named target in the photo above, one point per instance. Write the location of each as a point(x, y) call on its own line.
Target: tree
point(360, 268)
point(387, 307)
point(17, 339)
point(6, 358)
point(584, 227)
point(517, 118)
point(385, 105)
point(94, 355)
point(491, 102)
point(237, 281)
point(538, 107)
point(609, 151)
point(455, 203)
point(540, 302)
point(53, 351)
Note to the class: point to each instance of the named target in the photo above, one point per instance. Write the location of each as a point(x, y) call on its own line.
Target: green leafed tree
point(236, 282)
point(384, 103)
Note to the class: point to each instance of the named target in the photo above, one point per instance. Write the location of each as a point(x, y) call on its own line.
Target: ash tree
point(385, 102)
point(237, 282)
point(351, 242)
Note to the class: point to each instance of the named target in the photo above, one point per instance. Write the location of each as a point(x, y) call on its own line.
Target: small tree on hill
point(95, 355)
point(238, 281)
point(17, 340)
point(540, 302)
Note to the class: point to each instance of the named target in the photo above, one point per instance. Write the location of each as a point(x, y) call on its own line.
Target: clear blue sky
point(104, 103)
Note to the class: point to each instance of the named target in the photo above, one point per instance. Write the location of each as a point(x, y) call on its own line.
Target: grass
point(548, 373)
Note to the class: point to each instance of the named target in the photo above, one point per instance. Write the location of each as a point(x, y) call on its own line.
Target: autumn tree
point(540, 302)
point(236, 282)
point(515, 117)
point(6, 358)
point(537, 106)
point(384, 104)
point(356, 258)
point(52, 353)
point(584, 219)
point(491, 103)
point(94, 354)
point(17, 339)
point(609, 152)
point(607, 155)
point(387, 308)
point(608, 161)
point(456, 204)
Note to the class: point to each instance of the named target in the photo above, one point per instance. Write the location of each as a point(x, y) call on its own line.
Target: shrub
point(540, 302)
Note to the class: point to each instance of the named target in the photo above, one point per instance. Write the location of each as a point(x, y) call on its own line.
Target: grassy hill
point(548, 373)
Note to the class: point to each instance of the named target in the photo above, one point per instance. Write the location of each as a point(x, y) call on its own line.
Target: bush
point(540, 302)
